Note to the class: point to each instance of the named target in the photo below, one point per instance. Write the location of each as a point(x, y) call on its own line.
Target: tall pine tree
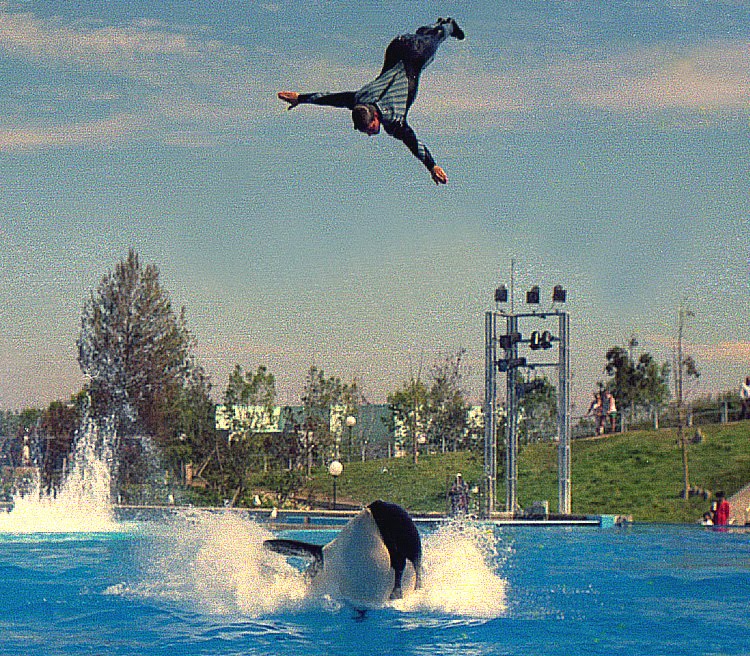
point(136, 352)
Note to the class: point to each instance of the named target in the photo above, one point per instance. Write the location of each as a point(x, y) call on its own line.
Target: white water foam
point(83, 502)
point(460, 574)
point(217, 563)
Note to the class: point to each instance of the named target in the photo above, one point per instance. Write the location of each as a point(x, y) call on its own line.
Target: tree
point(642, 384)
point(251, 389)
point(255, 394)
point(17, 430)
point(407, 405)
point(58, 426)
point(654, 382)
point(285, 450)
point(538, 405)
point(283, 483)
point(319, 395)
point(136, 352)
point(446, 404)
point(195, 436)
point(351, 400)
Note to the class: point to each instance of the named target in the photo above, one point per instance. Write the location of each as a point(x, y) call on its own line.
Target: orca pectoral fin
point(418, 575)
point(295, 548)
point(299, 549)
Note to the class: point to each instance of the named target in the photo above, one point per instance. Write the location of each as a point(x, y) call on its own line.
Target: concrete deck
point(739, 507)
point(335, 519)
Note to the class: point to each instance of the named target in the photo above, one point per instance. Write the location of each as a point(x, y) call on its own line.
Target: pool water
point(202, 584)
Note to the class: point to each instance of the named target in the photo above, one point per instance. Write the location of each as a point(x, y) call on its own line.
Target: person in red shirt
point(721, 514)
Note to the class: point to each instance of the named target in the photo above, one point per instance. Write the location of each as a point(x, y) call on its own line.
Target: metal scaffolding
point(510, 363)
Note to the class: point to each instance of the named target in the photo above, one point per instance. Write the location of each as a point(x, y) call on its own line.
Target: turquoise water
point(203, 585)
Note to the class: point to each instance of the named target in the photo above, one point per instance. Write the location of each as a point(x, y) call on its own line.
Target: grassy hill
point(637, 473)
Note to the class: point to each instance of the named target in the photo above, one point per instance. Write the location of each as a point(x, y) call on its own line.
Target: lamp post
point(335, 469)
point(351, 422)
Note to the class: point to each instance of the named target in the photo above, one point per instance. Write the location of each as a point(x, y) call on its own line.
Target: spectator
point(745, 399)
point(611, 405)
point(459, 496)
point(597, 410)
point(721, 514)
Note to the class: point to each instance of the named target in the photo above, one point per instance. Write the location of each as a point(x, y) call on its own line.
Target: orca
point(366, 563)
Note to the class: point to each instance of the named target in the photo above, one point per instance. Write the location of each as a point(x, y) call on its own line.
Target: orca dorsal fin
point(298, 548)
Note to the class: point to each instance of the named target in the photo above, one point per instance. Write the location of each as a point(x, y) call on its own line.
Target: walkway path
point(739, 506)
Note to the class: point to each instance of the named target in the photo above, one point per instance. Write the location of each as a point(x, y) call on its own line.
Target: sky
point(597, 145)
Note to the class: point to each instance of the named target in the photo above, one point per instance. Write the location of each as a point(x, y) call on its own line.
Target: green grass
point(637, 473)
point(421, 487)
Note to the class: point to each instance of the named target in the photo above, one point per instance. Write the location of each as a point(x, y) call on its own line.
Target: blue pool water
point(203, 585)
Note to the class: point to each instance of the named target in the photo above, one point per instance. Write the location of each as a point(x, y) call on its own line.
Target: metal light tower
point(510, 363)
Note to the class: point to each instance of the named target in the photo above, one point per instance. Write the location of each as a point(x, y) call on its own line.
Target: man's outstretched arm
point(403, 132)
point(344, 99)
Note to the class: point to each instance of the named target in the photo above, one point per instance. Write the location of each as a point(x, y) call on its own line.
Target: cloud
point(709, 77)
point(103, 132)
point(127, 48)
point(722, 352)
point(182, 85)
point(737, 352)
point(142, 80)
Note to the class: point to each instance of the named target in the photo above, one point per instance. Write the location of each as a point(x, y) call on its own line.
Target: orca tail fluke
point(300, 549)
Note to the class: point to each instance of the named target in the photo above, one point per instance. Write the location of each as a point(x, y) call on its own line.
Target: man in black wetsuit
point(386, 100)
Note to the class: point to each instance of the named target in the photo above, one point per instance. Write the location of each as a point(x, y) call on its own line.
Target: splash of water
point(461, 579)
point(83, 502)
point(216, 562)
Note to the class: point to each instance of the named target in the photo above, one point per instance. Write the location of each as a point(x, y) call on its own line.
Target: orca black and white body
point(370, 561)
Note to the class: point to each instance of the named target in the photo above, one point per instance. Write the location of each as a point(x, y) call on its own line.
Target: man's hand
point(438, 175)
point(292, 97)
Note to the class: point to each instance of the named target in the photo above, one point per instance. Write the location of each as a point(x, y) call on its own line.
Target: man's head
point(366, 119)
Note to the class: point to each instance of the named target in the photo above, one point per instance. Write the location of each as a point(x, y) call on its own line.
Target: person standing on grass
point(459, 496)
point(597, 410)
point(745, 399)
point(611, 407)
point(721, 514)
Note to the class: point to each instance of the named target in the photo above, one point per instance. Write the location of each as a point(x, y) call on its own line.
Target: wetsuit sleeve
point(343, 99)
point(403, 132)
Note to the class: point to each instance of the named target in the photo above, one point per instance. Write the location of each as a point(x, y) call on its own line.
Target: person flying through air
point(386, 100)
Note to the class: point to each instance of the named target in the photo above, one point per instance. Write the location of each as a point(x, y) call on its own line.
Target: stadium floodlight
point(540, 340)
point(501, 294)
point(532, 296)
point(558, 294)
point(507, 341)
